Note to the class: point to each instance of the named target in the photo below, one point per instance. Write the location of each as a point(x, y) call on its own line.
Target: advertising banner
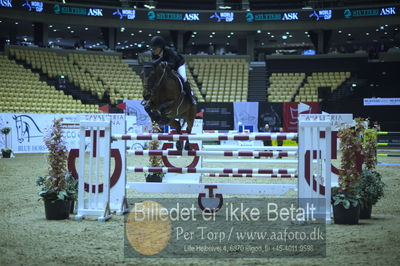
point(291, 110)
point(28, 130)
point(246, 114)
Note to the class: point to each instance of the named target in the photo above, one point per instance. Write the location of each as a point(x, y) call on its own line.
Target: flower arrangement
point(6, 152)
point(371, 187)
point(351, 147)
point(58, 184)
point(370, 147)
point(155, 161)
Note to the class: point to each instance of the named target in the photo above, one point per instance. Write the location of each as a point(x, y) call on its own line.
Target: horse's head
point(152, 75)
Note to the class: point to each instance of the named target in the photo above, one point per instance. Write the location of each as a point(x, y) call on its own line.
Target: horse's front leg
point(175, 124)
point(189, 131)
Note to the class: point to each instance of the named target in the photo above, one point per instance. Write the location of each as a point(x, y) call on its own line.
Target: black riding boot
point(189, 92)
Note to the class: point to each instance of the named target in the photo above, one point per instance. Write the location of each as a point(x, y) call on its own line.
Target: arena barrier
point(313, 169)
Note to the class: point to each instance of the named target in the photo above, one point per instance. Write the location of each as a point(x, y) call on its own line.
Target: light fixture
point(269, 33)
point(339, 31)
point(284, 37)
point(272, 36)
point(232, 33)
point(211, 36)
point(381, 27)
point(195, 32)
point(158, 32)
point(228, 36)
point(150, 34)
point(140, 31)
point(72, 31)
point(149, 6)
point(54, 30)
point(228, 43)
point(225, 7)
point(86, 28)
point(132, 34)
point(349, 34)
point(258, 31)
point(213, 32)
point(122, 29)
point(367, 33)
point(193, 43)
point(68, 27)
point(306, 32)
point(16, 23)
point(193, 35)
point(287, 33)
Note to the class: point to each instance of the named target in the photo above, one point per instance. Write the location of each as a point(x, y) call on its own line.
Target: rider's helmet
point(157, 42)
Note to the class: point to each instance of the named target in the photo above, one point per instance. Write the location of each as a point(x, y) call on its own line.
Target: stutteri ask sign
point(381, 101)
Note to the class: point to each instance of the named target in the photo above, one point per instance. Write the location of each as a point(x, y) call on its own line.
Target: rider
point(174, 60)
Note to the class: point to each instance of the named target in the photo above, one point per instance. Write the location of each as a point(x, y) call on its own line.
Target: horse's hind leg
point(190, 121)
point(175, 124)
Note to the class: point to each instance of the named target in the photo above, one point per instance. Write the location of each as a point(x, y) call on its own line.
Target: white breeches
point(182, 72)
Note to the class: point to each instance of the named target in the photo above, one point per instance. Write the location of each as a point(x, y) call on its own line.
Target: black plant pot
point(57, 209)
point(365, 211)
point(341, 215)
point(71, 206)
point(153, 178)
point(6, 154)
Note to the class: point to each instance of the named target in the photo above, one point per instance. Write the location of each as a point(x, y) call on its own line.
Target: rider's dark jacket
point(174, 59)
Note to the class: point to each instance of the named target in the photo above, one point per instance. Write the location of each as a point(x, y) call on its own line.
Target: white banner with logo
point(246, 114)
point(28, 130)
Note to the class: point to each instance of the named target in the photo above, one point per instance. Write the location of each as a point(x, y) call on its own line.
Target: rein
point(158, 83)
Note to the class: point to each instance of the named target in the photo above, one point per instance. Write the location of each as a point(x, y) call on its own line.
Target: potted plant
point(58, 189)
point(345, 198)
point(6, 152)
point(370, 191)
point(371, 185)
point(155, 161)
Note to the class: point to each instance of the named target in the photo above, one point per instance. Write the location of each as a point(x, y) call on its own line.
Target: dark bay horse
point(162, 88)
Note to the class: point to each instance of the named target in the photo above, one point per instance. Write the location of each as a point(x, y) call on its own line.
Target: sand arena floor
point(26, 237)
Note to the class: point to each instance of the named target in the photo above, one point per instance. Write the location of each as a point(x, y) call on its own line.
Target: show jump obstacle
point(101, 192)
point(388, 144)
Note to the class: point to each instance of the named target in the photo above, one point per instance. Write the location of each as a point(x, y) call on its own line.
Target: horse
point(163, 93)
